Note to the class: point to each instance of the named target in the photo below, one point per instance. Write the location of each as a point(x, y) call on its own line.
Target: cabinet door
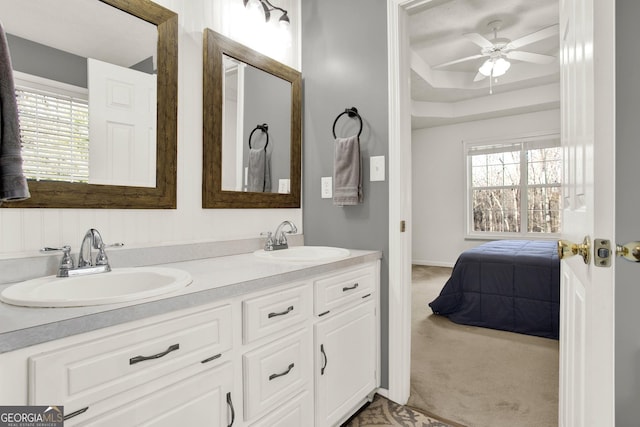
point(204, 398)
point(346, 361)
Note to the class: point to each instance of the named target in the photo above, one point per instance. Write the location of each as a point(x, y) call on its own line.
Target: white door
point(587, 291)
point(122, 125)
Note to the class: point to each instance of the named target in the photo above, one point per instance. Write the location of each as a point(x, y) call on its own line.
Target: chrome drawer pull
point(137, 359)
point(282, 313)
point(209, 359)
point(274, 376)
point(349, 288)
point(233, 412)
point(73, 414)
point(326, 360)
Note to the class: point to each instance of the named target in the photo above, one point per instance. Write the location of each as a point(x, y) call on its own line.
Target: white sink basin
point(118, 285)
point(305, 254)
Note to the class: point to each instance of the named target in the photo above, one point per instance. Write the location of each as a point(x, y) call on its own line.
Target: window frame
point(529, 138)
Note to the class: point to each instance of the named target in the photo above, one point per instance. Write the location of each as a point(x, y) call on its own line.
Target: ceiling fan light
point(500, 67)
point(486, 67)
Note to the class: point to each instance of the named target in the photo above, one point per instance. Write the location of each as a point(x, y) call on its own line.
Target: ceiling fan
point(499, 50)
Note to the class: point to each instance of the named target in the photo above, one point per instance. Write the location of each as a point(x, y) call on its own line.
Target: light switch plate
point(376, 171)
point(284, 186)
point(327, 187)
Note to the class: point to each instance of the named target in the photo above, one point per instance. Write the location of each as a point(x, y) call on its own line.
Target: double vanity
point(263, 338)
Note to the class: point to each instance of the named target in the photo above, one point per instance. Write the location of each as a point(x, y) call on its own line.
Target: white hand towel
point(347, 172)
point(13, 184)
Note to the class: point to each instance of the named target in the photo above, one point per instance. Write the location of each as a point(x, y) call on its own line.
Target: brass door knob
point(568, 249)
point(630, 251)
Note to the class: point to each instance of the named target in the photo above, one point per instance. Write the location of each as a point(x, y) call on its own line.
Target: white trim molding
point(399, 343)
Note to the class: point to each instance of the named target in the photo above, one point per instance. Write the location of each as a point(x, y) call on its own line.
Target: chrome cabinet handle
point(274, 376)
point(349, 288)
point(138, 359)
point(73, 414)
point(282, 313)
point(233, 412)
point(326, 360)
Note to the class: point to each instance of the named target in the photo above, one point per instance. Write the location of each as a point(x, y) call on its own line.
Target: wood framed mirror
point(159, 190)
point(271, 94)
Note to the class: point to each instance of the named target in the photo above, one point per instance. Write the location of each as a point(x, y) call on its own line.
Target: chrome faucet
point(92, 239)
point(279, 239)
point(86, 263)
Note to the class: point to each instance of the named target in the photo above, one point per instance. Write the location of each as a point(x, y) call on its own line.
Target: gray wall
point(627, 319)
point(44, 61)
point(344, 64)
point(267, 99)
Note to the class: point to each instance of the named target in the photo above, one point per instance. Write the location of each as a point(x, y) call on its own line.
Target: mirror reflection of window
point(66, 135)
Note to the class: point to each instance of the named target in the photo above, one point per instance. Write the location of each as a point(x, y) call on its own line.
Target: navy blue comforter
point(512, 285)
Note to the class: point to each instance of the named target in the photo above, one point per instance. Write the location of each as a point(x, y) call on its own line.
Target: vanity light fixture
point(267, 8)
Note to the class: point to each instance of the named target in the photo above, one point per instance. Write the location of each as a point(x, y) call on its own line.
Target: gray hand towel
point(347, 172)
point(259, 173)
point(13, 184)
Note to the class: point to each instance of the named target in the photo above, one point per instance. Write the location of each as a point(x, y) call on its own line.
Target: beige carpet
point(478, 377)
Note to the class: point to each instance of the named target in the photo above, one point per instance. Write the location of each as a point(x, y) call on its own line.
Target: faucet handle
point(66, 263)
point(101, 258)
point(268, 244)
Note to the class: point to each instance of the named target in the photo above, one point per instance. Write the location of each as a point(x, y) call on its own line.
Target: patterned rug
point(383, 412)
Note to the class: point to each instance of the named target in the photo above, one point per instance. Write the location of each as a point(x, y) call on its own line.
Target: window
point(514, 187)
point(54, 126)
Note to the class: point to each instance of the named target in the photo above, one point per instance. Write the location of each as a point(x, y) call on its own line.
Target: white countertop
point(213, 279)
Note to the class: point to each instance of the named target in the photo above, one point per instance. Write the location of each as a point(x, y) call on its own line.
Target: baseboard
point(383, 392)
point(433, 263)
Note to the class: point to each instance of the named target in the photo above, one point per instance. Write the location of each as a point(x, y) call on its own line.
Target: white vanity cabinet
point(153, 374)
point(301, 353)
point(346, 343)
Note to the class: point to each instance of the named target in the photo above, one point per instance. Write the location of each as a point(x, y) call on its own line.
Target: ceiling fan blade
point(479, 76)
point(536, 58)
point(479, 40)
point(457, 61)
point(542, 34)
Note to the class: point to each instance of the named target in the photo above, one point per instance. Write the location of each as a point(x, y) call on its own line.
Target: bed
point(511, 285)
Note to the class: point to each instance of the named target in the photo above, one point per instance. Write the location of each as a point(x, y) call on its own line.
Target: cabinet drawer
point(333, 291)
point(274, 312)
point(89, 371)
point(295, 413)
point(276, 371)
point(190, 397)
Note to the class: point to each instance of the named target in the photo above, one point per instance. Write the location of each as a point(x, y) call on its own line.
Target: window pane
point(544, 210)
point(496, 210)
point(479, 160)
point(545, 166)
point(479, 176)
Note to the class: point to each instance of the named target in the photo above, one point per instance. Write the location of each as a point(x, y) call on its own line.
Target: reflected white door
point(587, 328)
point(122, 125)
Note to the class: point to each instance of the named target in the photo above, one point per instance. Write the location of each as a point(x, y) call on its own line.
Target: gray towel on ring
point(13, 184)
point(347, 172)
point(259, 173)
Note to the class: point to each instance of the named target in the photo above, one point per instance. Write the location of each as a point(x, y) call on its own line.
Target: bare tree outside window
point(515, 188)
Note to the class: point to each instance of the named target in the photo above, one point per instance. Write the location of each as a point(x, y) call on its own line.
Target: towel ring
point(264, 128)
point(351, 112)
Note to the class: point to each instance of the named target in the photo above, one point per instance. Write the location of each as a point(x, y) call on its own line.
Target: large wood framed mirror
point(243, 91)
point(129, 157)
